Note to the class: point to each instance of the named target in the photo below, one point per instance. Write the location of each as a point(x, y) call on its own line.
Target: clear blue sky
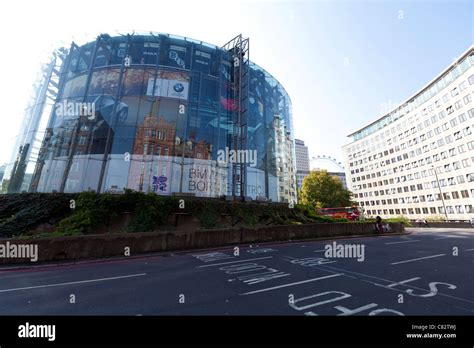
point(391, 49)
point(389, 58)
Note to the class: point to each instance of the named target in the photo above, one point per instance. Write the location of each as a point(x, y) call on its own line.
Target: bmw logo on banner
point(178, 89)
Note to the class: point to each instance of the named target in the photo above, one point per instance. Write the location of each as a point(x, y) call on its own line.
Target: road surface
point(427, 272)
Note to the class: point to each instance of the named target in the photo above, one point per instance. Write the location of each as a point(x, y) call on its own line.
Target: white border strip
point(70, 283)
point(421, 258)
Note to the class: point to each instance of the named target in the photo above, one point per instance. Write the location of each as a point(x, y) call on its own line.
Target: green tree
point(322, 190)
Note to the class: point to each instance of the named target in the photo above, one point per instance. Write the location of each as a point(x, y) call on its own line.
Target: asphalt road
point(427, 272)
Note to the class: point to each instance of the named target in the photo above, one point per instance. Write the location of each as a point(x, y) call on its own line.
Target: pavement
point(429, 271)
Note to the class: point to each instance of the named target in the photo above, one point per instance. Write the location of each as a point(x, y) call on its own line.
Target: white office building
point(418, 160)
point(302, 161)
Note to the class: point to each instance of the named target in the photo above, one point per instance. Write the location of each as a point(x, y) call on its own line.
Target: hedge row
point(21, 213)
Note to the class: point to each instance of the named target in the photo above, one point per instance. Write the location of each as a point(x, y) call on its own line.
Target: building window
point(470, 177)
point(71, 184)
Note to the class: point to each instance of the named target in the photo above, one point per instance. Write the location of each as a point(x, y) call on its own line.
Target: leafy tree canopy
point(322, 190)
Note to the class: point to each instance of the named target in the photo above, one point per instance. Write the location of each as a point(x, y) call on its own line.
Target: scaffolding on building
point(45, 92)
point(238, 49)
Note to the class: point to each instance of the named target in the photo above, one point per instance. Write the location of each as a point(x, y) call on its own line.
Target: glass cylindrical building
point(156, 113)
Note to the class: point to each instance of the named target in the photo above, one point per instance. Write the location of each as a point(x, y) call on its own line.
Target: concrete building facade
point(418, 160)
point(302, 161)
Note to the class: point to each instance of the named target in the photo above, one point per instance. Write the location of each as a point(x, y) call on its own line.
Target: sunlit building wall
point(418, 160)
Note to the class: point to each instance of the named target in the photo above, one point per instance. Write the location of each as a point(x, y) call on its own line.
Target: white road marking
point(345, 271)
point(405, 241)
point(226, 263)
point(421, 258)
point(291, 284)
point(70, 283)
point(317, 251)
point(444, 237)
point(469, 249)
point(402, 282)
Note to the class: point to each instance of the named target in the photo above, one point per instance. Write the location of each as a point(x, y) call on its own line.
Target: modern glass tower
point(170, 115)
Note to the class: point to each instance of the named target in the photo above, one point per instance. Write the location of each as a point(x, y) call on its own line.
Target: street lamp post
point(441, 194)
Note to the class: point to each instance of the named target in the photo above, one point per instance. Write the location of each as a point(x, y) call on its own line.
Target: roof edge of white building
point(420, 91)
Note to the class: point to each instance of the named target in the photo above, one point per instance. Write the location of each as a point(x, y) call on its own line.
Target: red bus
point(349, 213)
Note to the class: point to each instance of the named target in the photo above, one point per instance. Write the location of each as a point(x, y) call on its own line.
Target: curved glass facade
point(155, 113)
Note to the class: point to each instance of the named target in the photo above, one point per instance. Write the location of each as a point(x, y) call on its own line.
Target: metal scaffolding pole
point(48, 89)
point(238, 47)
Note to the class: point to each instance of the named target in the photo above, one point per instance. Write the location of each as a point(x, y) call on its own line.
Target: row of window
point(460, 179)
point(449, 110)
point(448, 139)
point(418, 199)
point(425, 186)
point(446, 168)
point(427, 94)
point(457, 209)
point(415, 164)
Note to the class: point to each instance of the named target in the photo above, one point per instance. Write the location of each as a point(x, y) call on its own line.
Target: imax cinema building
point(155, 112)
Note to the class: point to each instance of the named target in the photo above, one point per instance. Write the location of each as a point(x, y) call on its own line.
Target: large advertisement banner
point(168, 84)
point(162, 175)
point(204, 178)
point(167, 88)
